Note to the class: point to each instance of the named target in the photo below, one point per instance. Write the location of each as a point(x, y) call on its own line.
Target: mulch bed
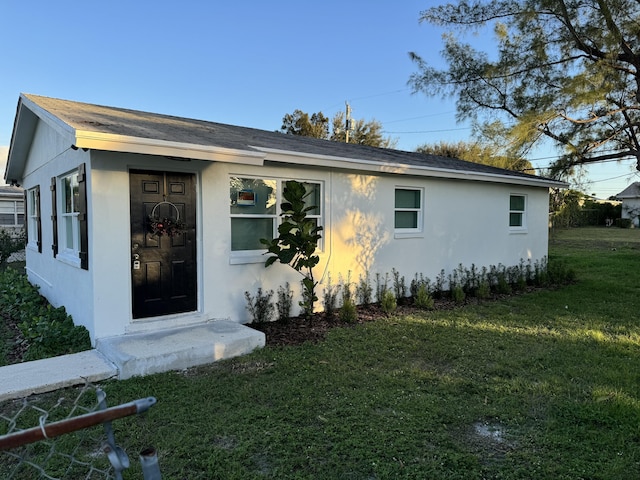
point(298, 330)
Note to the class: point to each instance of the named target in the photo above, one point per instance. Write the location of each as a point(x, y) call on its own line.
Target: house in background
point(11, 208)
point(103, 183)
point(630, 198)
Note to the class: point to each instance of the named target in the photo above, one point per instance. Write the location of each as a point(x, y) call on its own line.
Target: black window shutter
point(39, 220)
point(54, 216)
point(26, 215)
point(82, 217)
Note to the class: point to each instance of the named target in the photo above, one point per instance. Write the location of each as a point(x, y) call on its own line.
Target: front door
point(163, 246)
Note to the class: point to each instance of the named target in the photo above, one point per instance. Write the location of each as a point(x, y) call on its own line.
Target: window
point(69, 217)
point(408, 210)
point(517, 205)
point(254, 210)
point(70, 233)
point(34, 226)
point(11, 213)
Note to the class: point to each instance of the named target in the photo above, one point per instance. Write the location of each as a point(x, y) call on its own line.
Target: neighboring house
point(630, 198)
point(11, 208)
point(94, 174)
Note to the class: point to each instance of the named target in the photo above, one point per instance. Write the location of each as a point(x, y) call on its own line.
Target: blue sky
point(245, 63)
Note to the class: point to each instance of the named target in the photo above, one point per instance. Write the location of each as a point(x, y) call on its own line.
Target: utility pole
point(348, 123)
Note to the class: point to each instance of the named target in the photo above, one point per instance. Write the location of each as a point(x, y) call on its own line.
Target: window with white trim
point(517, 210)
point(408, 210)
point(11, 213)
point(69, 228)
point(254, 207)
point(33, 216)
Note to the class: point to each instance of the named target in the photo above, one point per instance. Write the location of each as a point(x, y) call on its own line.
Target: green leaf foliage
point(297, 240)
point(46, 331)
point(557, 70)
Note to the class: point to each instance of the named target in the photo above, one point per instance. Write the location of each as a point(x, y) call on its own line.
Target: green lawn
point(544, 385)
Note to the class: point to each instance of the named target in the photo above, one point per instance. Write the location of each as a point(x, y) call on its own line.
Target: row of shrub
point(46, 331)
point(392, 289)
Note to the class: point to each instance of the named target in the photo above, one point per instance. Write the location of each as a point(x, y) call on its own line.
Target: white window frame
point(12, 208)
point(69, 245)
point(522, 228)
point(418, 231)
point(33, 218)
point(257, 256)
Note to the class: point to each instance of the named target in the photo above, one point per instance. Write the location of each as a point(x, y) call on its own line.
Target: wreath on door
point(169, 226)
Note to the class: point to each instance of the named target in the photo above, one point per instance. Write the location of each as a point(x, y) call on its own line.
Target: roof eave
point(28, 114)
point(298, 158)
point(123, 143)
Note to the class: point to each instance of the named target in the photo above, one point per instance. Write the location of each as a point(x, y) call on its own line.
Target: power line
point(428, 131)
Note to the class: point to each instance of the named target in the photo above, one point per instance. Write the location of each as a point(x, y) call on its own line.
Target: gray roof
point(11, 192)
point(632, 191)
point(86, 117)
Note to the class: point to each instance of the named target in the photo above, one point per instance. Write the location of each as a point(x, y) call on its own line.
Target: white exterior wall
point(631, 209)
point(60, 282)
point(464, 223)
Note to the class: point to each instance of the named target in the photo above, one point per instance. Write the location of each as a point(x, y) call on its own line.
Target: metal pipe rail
point(55, 429)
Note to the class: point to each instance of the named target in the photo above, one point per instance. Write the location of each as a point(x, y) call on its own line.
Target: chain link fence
point(67, 437)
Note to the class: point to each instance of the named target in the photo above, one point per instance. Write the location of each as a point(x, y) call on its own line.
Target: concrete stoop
point(178, 348)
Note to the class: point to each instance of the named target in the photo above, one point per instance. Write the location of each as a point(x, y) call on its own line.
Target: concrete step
point(178, 348)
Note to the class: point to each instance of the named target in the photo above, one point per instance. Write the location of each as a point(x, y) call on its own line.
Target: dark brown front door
point(163, 261)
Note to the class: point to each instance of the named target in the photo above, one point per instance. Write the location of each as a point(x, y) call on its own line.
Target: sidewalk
point(24, 379)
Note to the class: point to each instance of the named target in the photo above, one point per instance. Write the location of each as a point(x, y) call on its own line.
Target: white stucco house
point(630, 198)
point(93, 176)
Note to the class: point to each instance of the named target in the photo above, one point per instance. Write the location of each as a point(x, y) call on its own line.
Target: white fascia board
point(328, 161)
point(150, 146)
point(61, 127)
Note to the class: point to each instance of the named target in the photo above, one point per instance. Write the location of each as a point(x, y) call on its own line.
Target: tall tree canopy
point(477, 153)
point(300, 123)
point(317, 125)
point(568, 71)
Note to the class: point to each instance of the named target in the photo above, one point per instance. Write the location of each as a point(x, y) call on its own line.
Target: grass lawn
point(544, 385)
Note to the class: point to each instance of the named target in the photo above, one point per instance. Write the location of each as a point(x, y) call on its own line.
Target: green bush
point(457, 294)
point(422, 298)
point(260, 306)
point(348, 310)
point(623, 222)
point(285, 302)
point(389, 302)
point(11, 243)
point(47, 331)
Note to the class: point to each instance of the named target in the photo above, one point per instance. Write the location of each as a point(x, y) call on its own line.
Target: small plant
point(438, 288)
point(484, 290)
point(381, 286)
point(285, 302)
point(364, 290)
point(348, 310)
point(399, 285)
point(502, 280)
point(330, 297)
point(422, 299)
point(388, 303)
point(260, 306)
point(457, 294)
point(417, 282)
